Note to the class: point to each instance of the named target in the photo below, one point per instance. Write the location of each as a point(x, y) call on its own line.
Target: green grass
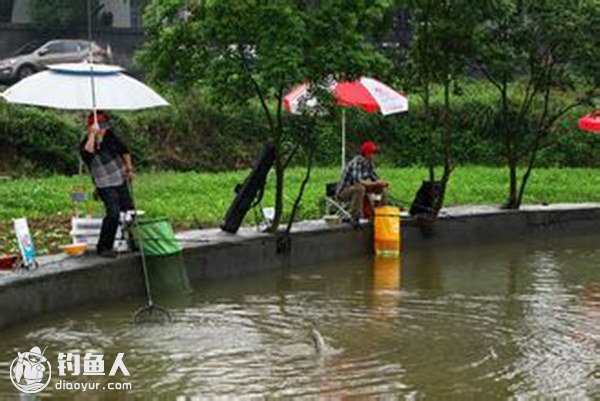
point(188, 198)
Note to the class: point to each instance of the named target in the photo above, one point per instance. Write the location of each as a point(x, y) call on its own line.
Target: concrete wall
point(62, 283)
point(20, 12)
point(65, 283)
point(482, 224)
point(121, 10)
point(225, 255)
point(123, 39)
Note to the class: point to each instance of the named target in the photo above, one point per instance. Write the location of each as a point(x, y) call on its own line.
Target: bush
point(404, 137)
point(49, 15)
point(38, 140)
point(192, 135)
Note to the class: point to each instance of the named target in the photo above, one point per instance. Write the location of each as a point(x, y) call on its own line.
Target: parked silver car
point(34, 57)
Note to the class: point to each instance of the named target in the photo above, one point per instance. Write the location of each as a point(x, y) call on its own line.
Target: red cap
point(100, 116)
point(368, 148)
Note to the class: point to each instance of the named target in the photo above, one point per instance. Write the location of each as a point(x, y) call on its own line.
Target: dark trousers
point(116, 200)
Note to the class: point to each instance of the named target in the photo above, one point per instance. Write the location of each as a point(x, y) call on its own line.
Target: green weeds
point(192, 199)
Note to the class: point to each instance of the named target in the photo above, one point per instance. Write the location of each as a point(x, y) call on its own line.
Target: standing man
point(109, 162)
point(359, 178)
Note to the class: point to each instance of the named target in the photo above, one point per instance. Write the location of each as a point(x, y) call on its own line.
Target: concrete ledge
point(64, 283)
point(483, 224)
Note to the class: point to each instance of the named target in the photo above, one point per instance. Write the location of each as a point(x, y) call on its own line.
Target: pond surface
point(511, 320)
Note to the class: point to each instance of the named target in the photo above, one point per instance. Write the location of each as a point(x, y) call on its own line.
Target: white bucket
point(87, 230)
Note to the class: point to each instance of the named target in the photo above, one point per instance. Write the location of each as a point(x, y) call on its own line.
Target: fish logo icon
point(30, 372)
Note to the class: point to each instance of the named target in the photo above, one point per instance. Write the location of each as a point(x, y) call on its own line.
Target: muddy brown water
point(497, 321)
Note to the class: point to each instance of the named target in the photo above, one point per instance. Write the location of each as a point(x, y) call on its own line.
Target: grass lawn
point(190, 199)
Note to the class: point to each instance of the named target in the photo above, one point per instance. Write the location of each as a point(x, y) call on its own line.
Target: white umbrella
point(84, 86)
point(366, 93)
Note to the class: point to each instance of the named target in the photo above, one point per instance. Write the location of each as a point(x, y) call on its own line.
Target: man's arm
point(87, 148)
point(373, 181)
point(90, 143)
point(129, 171)
point(122, 150)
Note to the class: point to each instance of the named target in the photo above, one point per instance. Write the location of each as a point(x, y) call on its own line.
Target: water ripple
point(520, 323)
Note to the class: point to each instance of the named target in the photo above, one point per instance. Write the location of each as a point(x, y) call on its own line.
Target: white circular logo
point(28, 371)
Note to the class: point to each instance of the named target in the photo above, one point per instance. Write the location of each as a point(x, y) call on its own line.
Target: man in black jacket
point(109, 162)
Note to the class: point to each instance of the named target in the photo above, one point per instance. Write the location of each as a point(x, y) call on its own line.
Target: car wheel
point(25, 71)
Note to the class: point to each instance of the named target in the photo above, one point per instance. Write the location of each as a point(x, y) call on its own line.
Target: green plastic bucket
point(156, 236)
point(166, 268)
point(168, 275)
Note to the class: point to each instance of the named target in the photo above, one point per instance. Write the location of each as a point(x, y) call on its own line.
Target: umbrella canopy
point(84, 87)
point(590, 122)
point(370, 95)
point(366, 93)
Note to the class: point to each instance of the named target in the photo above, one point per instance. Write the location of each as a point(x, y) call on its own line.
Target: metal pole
point(140, 238)
point(343, 138)
point(91, 61)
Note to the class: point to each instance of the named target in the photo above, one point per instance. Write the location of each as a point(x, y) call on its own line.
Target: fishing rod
point(402, 203)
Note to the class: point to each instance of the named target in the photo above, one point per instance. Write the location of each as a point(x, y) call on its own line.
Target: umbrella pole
point(91, 61)
point(343, 138)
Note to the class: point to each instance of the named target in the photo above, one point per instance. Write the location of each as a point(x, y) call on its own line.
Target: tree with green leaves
point(439, 53)
point(531, 51)
point(50, 15)
point(248, 52)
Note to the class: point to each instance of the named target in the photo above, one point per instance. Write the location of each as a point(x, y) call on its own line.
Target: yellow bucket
point(387, 231)
point(386, 273)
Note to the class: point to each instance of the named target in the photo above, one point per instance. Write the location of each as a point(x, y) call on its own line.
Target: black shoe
point(109, 253)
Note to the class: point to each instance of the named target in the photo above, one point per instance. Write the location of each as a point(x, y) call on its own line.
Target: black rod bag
point(426, 198)
point(247, 192)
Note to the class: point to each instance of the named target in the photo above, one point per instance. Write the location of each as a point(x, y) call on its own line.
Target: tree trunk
point(309, 165)
point(447, 148)
point(279, 180)
point(277, 130)
point(431, 161)
point(427, 99)
point(525, 178)
point(511, 151)
point(511, 202)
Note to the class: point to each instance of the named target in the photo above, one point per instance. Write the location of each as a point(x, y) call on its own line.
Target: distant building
point(120, 27)
point(125, 13)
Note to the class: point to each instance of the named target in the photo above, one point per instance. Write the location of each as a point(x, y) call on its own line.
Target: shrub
point(42, 139)
point(192, 135)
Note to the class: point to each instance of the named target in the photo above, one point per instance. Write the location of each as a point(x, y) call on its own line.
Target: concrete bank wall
point(63, 283)
point(484, 224)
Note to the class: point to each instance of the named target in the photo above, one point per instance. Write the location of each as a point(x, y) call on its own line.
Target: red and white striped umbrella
point(590, 122)
point(366, 93)
point(299, 99)
point(369, 94)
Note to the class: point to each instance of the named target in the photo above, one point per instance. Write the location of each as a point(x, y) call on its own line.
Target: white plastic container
point(87, 230)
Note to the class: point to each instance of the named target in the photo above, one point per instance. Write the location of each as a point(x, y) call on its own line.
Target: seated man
point(359, 178)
